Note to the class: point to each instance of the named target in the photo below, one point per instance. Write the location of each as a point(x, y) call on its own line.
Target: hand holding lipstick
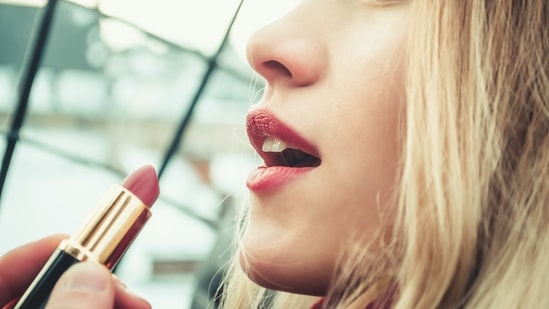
point(78, 287)
point(77, 272)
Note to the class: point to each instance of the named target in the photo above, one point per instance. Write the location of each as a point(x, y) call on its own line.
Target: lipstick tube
point(119, 217)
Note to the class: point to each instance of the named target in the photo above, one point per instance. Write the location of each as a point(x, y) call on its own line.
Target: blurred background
point(91, 90)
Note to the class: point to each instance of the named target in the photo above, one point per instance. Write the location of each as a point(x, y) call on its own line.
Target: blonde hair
point(472, 228)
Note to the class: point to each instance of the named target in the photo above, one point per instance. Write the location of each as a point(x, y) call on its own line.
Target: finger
point(126, 299)
point(84, 285)
point(19, 266)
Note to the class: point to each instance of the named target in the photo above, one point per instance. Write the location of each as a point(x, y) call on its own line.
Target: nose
point(287, 52)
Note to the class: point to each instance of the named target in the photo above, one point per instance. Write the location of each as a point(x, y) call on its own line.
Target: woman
point(421, 178)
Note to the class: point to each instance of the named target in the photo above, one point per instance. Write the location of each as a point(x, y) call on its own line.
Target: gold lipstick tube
point(116, 221)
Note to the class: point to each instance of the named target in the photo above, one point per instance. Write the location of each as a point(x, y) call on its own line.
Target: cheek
point(366, 134)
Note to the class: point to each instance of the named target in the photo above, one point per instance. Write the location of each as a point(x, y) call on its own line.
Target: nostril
point(286, 59)
point(276, 69)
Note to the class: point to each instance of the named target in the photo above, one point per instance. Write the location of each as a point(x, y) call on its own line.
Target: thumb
point(84, 285)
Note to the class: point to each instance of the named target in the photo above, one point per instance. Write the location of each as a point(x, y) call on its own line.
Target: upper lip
point(261, 124)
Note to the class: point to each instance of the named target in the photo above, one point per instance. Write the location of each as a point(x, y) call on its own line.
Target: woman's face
point(335, 92)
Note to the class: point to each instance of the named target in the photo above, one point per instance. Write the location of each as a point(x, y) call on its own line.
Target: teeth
point(271, 144)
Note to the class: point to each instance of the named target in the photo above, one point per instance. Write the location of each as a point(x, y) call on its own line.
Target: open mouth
point(277, 143)
point(277, 153)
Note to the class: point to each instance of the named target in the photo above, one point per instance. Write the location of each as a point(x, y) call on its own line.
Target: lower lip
point(271, 178)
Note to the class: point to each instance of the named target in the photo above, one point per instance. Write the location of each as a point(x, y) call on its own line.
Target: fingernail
point(86, 276)
point(124, 286)
point(119, 282)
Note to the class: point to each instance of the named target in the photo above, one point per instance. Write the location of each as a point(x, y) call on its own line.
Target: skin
point(84, 285)
point(334, 73)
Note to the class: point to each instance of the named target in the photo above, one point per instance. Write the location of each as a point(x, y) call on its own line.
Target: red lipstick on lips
point(119, 217)
point(298, 158)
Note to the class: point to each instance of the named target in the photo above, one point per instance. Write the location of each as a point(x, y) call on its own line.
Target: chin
point(282, 274)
